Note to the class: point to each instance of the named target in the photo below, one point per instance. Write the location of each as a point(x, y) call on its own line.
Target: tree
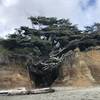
point(95, 28)
point(46, 43)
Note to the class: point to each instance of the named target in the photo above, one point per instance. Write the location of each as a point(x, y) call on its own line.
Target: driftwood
point(26, 92)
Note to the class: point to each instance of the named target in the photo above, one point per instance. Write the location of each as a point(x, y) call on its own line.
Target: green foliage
point(42, 38)
point(95, 28)
point(47, 35)
point(43, 20)
point(3, 51)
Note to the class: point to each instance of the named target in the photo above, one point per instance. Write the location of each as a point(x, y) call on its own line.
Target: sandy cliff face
point(83, 69)
point(79, 69)
point(13, 77)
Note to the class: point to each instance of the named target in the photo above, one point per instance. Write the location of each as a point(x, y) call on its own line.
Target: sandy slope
point(12, 77)
point(85, 71)
point(62, 93)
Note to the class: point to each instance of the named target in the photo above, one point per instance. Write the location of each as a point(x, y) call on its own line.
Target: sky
point(14, 13)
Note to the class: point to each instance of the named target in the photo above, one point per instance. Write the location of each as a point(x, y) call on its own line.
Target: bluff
point(78, 69)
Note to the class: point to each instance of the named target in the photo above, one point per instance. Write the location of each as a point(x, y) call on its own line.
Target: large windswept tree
point(46, 34)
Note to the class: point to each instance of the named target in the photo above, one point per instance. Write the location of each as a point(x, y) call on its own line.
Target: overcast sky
point(14, 13)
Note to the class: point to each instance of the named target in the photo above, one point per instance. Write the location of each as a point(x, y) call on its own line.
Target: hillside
point(52, 52)
point(13, 77)
point(85, 71)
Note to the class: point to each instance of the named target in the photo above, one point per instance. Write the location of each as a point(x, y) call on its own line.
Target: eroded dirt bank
point(83, 71)
point(13, 77)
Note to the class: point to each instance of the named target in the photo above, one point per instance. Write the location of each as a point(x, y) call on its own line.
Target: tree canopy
point(49, 34)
